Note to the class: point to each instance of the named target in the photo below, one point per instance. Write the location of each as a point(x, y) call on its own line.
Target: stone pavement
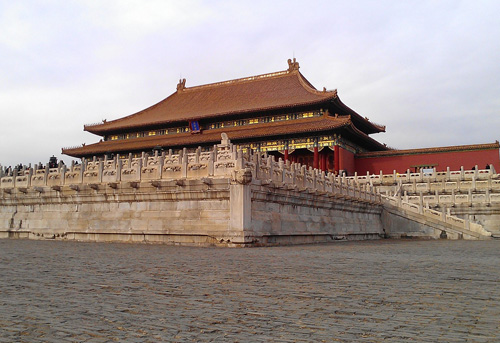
point(377, 291)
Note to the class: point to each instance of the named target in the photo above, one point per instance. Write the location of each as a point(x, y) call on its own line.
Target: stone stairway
point(436, 224)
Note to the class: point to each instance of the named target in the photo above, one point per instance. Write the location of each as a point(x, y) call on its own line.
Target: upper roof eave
point(372, 127)
point(274, 91)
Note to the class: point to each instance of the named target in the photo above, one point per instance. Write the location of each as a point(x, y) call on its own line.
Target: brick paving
point(378, 291)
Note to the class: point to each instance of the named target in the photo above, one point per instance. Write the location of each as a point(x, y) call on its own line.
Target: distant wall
point(453, 160)
point(347, 161)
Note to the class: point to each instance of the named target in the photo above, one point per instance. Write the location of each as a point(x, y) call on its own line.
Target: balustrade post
point(184, 165)
point(421, 203)
point(214, 150)
point(161, 162)
point(234, 152)
point(119, 170)
point(139, 169)
point(100, 170)
point(270, 165)
point(45, 175)
point(30, 174)
point(198, 155)
point(63, 175)
point(239, 160)
point(82, 170)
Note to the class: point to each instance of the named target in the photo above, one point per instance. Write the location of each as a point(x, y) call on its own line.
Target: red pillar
point(286, 155)
point(316, 158)
point(323, 160)
point(336, 158)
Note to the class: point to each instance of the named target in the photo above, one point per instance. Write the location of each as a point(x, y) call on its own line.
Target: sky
point(428, 70)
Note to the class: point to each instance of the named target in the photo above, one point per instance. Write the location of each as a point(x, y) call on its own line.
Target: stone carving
point(71, 175)
point(129, 171)
point(149, 170)
point(226, 165)
point(293, 65)
point(197, 166)
point(243, 176)
point(172, 168)
point(205, 156)
point(181, 85)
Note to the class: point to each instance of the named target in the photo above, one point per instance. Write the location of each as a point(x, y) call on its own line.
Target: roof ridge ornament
point(293, 65)
point(181, 85)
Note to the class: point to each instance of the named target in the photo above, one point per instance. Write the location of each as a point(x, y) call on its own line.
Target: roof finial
point(181, 85)
point(293, 65)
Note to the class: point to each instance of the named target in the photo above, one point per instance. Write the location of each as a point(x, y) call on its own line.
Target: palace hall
point(280, 113)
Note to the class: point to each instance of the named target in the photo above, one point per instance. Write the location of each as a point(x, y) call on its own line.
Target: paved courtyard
point(378, 291)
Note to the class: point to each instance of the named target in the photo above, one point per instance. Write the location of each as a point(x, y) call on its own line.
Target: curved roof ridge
point(311, 89)
point(365, 136)
point(127, 117)
point(378, 128)
point(239, 80)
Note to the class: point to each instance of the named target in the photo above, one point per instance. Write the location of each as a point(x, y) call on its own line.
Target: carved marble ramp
point(403, 219)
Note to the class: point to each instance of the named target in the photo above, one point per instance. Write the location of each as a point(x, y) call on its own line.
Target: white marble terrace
point(414, 192)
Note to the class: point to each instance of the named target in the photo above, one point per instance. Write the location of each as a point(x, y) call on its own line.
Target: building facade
point(280, 113)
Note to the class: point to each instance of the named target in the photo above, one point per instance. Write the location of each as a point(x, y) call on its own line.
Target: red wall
point(454, 160)
point(347, 161)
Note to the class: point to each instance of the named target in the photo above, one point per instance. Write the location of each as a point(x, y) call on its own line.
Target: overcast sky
point(428, 70)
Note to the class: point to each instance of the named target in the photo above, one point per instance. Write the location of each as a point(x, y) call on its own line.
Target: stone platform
point(219, 197)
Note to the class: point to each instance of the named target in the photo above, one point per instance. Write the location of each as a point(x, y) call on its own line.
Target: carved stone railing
point(428, 176)
point(447, 188)
point(222, 161)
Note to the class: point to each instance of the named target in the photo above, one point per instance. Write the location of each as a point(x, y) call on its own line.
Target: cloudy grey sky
point(428, 70)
